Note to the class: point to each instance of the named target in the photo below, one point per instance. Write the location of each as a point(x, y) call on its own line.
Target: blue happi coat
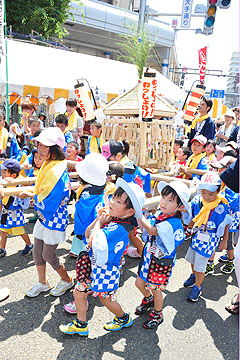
point(52, 211)
point(108, 247)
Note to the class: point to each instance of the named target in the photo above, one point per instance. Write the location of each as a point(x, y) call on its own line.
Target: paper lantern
point(84, 102)
point(193, 103)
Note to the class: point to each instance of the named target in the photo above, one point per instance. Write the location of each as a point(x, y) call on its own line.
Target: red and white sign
point(149, 89)
point(202, 54)
point(84, 102)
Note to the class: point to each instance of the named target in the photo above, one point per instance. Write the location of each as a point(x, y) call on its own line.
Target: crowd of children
point(109, 204)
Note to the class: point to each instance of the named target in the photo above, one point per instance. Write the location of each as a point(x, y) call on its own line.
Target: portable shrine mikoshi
point(150, 142)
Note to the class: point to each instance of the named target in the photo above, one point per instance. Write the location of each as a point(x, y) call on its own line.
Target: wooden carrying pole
point(70, 163)
point(17, 190)
point(158, 177)
point(30, 180)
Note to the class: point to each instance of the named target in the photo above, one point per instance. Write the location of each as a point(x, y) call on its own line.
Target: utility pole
point(141, 18)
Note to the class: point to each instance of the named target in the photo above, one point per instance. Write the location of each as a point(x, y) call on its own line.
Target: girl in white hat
point(51, 193)
point(158, 258)
point(108, 241)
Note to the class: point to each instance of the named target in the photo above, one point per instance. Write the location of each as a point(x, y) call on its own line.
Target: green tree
point(44, 16)
point(136, 46)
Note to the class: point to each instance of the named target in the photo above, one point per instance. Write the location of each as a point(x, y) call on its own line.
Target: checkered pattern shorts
point(105, 278)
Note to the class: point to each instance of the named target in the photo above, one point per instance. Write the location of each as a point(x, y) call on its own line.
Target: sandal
point(233, 307)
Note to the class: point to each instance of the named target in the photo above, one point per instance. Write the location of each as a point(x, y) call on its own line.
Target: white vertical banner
point(1, 28)
point(186, 13)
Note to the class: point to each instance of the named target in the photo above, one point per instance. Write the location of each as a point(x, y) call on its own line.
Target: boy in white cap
point(210, 220)
point(159, 254)
point(108, 241)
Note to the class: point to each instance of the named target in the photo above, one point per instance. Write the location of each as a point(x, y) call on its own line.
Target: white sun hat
point(135, 193)
point(51, 136)
point(180, 188)
point(93, 169)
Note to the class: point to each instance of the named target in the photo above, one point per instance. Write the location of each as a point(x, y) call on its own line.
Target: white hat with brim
point(230, 113)
point(51, 136)
point(180, 188)
point(135, 193)
point(93, 169)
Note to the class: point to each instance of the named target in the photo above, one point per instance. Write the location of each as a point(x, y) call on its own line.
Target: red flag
point(202, 54)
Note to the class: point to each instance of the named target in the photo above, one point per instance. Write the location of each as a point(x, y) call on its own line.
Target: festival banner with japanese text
point(149, 88)
point(202, 54)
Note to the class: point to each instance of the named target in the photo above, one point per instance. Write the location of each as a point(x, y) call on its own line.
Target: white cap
point(210, 181)
point(93, 169)
point(51, 136)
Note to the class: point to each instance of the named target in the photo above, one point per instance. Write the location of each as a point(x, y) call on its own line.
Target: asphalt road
point(29, 327)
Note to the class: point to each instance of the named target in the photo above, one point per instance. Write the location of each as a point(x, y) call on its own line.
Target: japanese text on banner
point(149, 97)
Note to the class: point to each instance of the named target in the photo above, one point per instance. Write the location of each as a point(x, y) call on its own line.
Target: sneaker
point(71, 307)
point(3, 252)
point(153, 321)
point(27, 250)
point(61, 287)
point(37, 289)
point(209, 269)
point(228, 267)
point(224, 258)
point(132, 252)
point(75, 327)
point(118, 323)
point(145, 305)
point(190, 281)
point(194, 294)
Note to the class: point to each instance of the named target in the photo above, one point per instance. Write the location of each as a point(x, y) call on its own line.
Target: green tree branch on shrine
point(136, 46)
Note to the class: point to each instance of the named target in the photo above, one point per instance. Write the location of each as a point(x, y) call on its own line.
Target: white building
point(232, 86)
point(97, 33)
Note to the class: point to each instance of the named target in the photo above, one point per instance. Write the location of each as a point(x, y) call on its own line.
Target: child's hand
point(104, 219)
point(8, 179)
point(26, 194)
point(103, 210)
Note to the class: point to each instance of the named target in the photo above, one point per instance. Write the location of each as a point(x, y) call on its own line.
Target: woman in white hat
point(52, 191)
point(158, 257)
point(225, 130)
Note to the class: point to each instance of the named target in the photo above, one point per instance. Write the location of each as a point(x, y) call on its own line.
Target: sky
point(221, 44)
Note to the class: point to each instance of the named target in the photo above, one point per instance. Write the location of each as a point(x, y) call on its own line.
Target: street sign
point(186, 13)
point(217, 94)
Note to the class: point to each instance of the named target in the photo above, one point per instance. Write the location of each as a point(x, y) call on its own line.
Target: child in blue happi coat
point(108, 240)
point(12, 216)
point(50, 196)
point(233, 201)
point(211, 222)
point(90, 197)
point(159, 254)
